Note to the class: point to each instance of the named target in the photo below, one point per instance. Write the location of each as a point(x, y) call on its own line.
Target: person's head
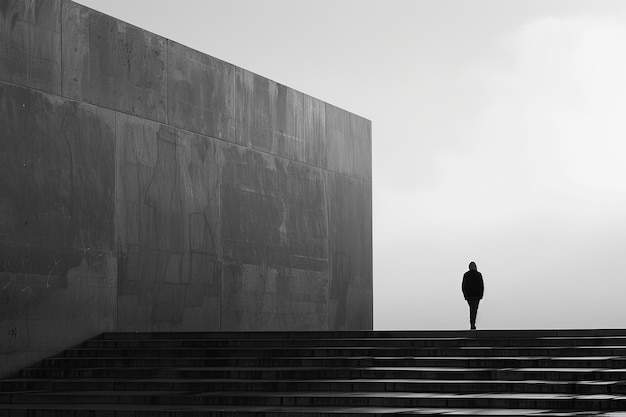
point(472, 266)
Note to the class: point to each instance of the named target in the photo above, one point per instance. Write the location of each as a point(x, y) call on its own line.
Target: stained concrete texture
point(349, 143)
point(259, 297)
point(149, 187)
point(168, 228)
point(279, 120)
point(57, 234)
point(202, 92)
point(275, 240)
point(351, 286)
point(30, 50)
point(274, 211)
point(113, 64)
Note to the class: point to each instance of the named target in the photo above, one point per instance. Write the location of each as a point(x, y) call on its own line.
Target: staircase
point(441, 373)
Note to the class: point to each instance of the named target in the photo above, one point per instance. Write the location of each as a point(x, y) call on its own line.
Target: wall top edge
point(96, 107)
point(235, 67)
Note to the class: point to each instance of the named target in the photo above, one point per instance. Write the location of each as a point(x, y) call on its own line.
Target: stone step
point(357, 342)
point(291, 373)
point(467, 362)
point(350, 351)
point(329, 373)
point(80, 410)
point(387, 334)
point(331, 399)
point(288, 373)
point(349, 385)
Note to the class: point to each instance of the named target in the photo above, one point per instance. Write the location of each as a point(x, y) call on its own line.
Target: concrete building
point(145, 186)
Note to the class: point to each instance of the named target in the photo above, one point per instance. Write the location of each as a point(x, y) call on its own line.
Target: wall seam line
point(327, 174)
point(116, 217)
point(167, 82)
point(61, 8)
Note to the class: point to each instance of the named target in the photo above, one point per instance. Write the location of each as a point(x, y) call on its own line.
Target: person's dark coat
point(473, 286)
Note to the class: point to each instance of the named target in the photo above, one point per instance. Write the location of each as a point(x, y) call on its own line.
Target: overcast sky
point(499, 136)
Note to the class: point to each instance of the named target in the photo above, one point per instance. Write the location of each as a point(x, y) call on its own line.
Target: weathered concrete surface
point(202, 92)
point(274, 210)
point(350, 217)
point(147, 186)
point(279, 120)
point(57, 214)
point(259, 297)
point(168, 228)
point(349, 143)
point(275, 240)
point(30, 47)
point(113, 64)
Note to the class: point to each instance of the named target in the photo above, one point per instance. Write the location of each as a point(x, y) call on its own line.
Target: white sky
point(499, 136)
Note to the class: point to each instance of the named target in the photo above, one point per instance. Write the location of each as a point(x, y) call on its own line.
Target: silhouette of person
point(473, 290)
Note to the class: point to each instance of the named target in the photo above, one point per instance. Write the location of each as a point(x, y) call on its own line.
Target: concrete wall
point(149, 187)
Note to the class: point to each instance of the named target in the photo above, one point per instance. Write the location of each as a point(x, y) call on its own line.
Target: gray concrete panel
point(201, 92)
point(351, 291)
point(274, 231)
point(273, 211)
point(259, 297)
point(279, 120)
point(349, 143)
point(58, 177)
point(113, 64)
point(168, 227)
point(57, 233)
point(30, 43)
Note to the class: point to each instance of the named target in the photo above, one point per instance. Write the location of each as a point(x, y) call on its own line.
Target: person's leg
point(473, 304)
point(470, 304)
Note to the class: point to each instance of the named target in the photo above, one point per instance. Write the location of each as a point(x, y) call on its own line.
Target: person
point(473, 289)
